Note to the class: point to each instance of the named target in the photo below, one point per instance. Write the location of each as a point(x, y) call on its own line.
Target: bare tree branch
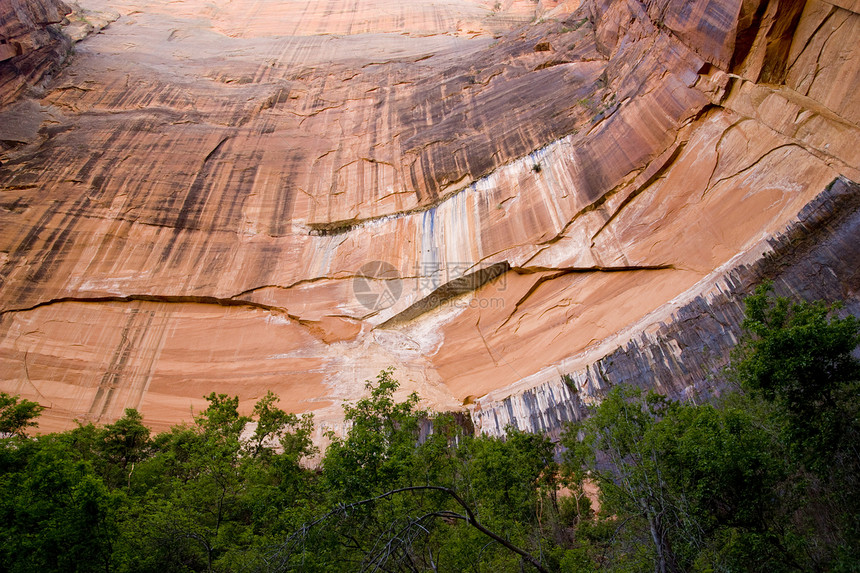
point(469, 517)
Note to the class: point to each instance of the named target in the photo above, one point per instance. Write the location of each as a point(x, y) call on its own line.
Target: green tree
point(799, 360)
point(742, 484)
point(277, 427)
point(208, 498)
point(380, 443)
point(695, 481)
point(633, 483)
point(123, 444)
point(799, 357)
point(407, 491)
point(17, 414)
point(55, 512)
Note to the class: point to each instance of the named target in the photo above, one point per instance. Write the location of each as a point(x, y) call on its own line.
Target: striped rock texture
point(31, 44)
point(237, 196)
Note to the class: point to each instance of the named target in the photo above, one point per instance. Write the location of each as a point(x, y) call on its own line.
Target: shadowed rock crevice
point(170, 299)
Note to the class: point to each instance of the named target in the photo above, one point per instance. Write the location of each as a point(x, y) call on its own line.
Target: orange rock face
point(31, 44)
point(252, 195)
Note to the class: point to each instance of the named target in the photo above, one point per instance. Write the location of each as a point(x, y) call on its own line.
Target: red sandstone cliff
point(31, 45)
point(202, 186)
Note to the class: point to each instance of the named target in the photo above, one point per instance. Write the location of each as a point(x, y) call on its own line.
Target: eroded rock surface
point(31, 45)
point(193, 202)
point(683, 348)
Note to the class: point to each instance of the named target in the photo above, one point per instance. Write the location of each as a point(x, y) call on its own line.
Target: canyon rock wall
point(243, 196)
point(31, 44)
point(683, 349)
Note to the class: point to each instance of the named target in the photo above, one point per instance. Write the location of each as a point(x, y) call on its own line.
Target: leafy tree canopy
point(762, 479)
point(17, 414)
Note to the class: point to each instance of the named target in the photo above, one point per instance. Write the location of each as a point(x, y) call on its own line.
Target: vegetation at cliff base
point(763, 479)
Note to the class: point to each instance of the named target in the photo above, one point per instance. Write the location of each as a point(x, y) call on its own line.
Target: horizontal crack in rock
point(155, 298)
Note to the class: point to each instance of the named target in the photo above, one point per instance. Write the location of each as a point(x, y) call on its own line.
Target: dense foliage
point(765, 479)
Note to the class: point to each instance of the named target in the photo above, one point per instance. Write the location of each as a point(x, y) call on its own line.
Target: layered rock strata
point(31, 44)
point(208, 184)
point(682, 350)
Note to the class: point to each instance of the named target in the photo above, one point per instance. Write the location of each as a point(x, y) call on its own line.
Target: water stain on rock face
point(559, 187)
